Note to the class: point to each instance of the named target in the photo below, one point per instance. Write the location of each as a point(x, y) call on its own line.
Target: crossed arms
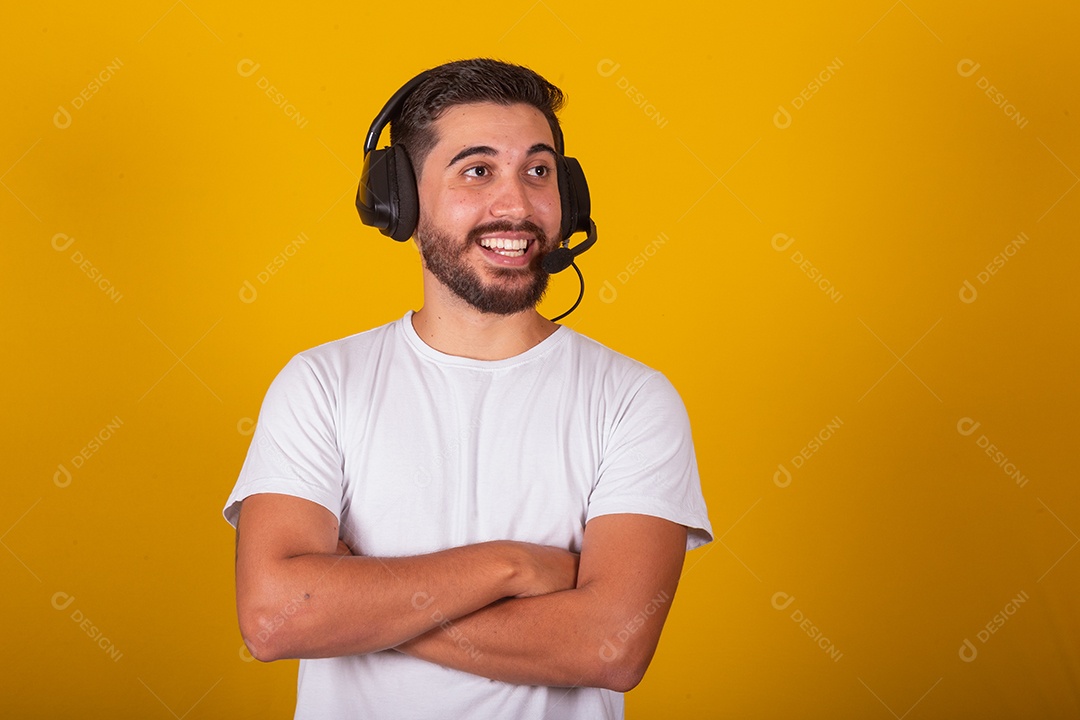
point(506, 610)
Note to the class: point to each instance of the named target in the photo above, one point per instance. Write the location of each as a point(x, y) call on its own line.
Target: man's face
point(489, 205)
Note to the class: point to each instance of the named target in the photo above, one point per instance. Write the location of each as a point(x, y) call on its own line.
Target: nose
point(511, 199)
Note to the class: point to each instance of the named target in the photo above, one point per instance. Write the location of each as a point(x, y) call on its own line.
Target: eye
point(478, 171)
point(540, 171)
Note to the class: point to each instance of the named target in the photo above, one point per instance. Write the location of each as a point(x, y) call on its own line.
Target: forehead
point(503, 127)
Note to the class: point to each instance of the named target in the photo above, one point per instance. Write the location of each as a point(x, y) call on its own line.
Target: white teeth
point(514, 247)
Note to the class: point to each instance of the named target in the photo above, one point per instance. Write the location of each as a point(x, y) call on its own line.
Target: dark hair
point(469, 81)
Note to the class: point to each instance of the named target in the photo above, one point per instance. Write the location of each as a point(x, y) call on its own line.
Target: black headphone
point(387, 198)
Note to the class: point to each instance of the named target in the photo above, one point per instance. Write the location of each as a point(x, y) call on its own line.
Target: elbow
point(262, 637)
point(296, 630)
point(272, 629)
point(276, 624)
point(622, 678)
point(258, 651)
point(621, 667)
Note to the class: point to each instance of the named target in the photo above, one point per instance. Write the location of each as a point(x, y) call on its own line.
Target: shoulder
point(350, 345)
point(625, 388)
point(611, 366)
point(334, 357)
point(594, 351)
point(319, 371)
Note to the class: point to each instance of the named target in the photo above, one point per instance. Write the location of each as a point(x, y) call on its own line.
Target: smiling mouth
point(507, 247)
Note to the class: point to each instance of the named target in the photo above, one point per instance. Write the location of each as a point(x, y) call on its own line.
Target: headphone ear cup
point(574, 196)
point(387, 197)
point(406, 203)
point(373, 199)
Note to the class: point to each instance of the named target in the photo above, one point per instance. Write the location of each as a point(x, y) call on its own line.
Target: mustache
point(507, 226)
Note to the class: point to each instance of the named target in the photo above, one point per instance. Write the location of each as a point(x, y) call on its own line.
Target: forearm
point(323, 605)
point(602, 633)
point(569, 638)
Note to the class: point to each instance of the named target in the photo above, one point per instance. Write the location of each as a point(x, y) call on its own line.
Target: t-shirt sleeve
point(294, 450)
point(649, 466)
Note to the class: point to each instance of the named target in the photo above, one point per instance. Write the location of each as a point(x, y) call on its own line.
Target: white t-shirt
point(417, 451)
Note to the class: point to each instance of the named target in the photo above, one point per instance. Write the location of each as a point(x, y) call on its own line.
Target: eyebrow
point(489, 151)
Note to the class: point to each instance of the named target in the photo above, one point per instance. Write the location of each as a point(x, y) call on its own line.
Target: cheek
point(550, 202)
point(551, 209)
point(448, 210)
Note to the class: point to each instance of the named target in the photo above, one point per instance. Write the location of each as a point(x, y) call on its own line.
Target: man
point(472, 511)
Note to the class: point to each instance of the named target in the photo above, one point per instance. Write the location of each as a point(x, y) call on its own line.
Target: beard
point(513, 290)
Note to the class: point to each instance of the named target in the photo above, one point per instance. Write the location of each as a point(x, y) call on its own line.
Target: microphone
point(563, 257)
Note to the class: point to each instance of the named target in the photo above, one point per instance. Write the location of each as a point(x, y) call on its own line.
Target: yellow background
point(896, 178)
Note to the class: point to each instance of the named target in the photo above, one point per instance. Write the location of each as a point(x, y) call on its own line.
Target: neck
point(450, 325)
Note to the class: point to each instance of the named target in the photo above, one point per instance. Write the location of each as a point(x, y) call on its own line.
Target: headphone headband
point(391, 110)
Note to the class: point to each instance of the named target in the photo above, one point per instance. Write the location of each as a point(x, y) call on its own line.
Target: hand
point(546, 569)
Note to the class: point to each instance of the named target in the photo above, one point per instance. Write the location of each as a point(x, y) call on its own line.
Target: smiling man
point(471, 511)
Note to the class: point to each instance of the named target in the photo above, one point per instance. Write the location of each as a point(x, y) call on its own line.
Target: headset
point(388, 198)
